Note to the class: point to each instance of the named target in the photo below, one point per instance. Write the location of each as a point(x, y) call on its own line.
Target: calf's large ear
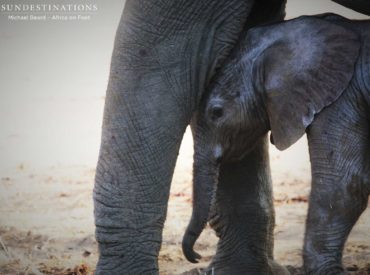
point(306, 68)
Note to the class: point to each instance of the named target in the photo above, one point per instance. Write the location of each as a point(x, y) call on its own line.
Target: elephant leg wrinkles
point(339, 145)
point(243, 216)
point(160, 64)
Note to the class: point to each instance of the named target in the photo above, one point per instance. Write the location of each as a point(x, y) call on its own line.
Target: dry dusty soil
point(46, 219)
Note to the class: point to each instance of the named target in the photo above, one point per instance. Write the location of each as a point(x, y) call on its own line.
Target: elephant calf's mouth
point(217, 153)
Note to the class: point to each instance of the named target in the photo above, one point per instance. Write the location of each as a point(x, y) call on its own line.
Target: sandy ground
point(47, 223)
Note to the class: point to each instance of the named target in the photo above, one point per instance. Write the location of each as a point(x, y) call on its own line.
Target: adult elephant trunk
point(205, 176)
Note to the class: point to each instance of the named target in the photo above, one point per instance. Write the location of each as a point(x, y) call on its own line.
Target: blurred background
point(53, 77)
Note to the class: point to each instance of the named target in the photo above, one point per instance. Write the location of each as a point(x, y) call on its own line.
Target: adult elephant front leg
point(164, 53)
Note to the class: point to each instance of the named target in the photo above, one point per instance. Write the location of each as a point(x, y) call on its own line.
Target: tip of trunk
point(188, 242)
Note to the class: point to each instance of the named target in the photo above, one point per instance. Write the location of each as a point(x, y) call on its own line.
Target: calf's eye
point(216, 112)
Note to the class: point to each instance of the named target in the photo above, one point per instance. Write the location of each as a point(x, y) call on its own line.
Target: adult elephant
point(165, 52)
point(362, 6)
point(164, 55)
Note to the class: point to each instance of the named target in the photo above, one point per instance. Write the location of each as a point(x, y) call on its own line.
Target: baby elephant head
point(277, 79)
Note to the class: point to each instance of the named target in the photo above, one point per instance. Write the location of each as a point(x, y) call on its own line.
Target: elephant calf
point(310, 74)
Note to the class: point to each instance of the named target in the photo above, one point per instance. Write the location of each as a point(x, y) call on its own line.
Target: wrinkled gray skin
point(164, 55)
point(165, 52)
point(308, 74)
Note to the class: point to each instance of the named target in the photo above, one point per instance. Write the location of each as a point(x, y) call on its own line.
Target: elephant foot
point(273, 268)
point(232, 271)
point(330, 270)
point(278, 269)
point(301, 271)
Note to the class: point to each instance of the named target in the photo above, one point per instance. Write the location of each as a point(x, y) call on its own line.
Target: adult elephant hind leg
point(339, 146)
point(243, 217)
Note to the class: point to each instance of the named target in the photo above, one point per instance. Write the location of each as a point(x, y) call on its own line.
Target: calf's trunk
point(205, 175)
